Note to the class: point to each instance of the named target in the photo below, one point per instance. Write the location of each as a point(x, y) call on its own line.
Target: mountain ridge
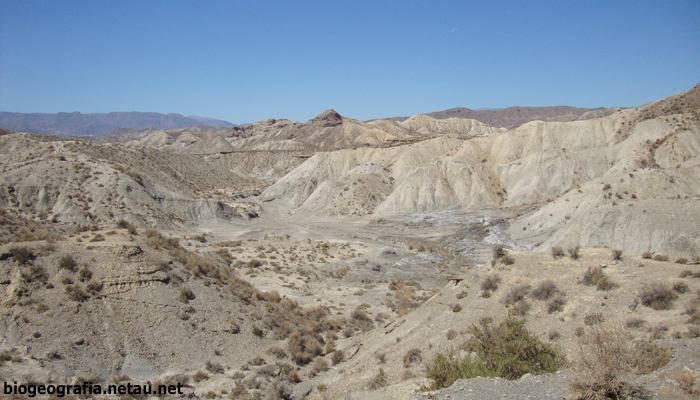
point(97, 124)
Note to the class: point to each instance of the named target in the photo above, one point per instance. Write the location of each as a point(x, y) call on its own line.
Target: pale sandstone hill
point(533, 164)
point(78, 181)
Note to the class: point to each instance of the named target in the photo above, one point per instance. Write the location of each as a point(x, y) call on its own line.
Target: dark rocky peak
point(328, 118)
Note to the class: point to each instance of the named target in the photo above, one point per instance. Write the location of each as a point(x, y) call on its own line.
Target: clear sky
point(244, 61)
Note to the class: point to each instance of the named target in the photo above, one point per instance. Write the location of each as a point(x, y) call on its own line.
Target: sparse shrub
point(687, 381)
point(186, 295)
point(646, 255)
point(596, 276)
point(97, 238)
point(491, 282)
point(254, 263)
point(553, 334)
point(462, 295)
point(456, 308)
point(520, 308)
point(277, 352)
point(337, 357)
point(617, 254)
point(257, 361)
point(681, 261)
point(35, 274)
point(258, 331)
point(319, 365)
point(558, 252)
point(378, 380)
point(660, 257)
point(657, 295)
point(593, 319)
point(67, 262)
point(451, 334)
point(381, 357)
point(214, 368)
point(411, 356)
point(84, 274)
point(508, 259)
point(303, 347)
point(606, 361)
point(67, 280)
point(574, 252)
point(122, 224)
point(508, 350)
point(22, 255)
point(200, 376)
point(95, 286)
point(635, 323)
point(517, 293)
point(556, 304)
point(579, 331)
point(544, 290)
point(75, 293)
point(680, 287)
point(686, 273)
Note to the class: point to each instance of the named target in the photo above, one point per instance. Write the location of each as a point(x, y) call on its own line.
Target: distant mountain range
point(512, 117)
point(78, 124)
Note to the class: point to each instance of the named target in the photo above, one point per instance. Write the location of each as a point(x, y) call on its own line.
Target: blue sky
point(244, 61)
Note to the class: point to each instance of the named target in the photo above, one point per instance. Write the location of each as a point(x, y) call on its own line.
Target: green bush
point(508, 350)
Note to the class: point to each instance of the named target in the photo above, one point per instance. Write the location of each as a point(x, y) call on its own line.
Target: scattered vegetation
point(411, 356)
point(574, 252)
point(67, 262)
point(378, 380)
point(617, 254)
point(545, 290)
point(558, 252)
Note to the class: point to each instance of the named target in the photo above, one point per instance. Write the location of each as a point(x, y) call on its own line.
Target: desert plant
point(574, 252)
point(646, 255)
point(617, 254)
point(593, 319)
point(214, 368)
point(186, 295)
point(84, 274)
point(22, 255)
point(660, 257)
point(606, 360)
point(516, 293)
point(451, 334)
point(635, 322)
point(337, 357)
point(596, 276)
point(67, 262)
point(657, 295)
point(491, 282)
point(688, 382)
point(558, 252)
point(557, 303)
point(508, 350)
point(411, 356)
point(681, 260)
point(75, 293)
point(378, 380)
point(680, 287)
point(319, 365)
point(456, 308)
point(381, 357)
point(544, 290)
point(200, 376)
point(520, 308)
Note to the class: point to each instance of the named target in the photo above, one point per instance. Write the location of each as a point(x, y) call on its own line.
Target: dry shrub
point(658, 296)
point(574, 252)
point(411, 356)
point(22, 255)
point(544, 290)
point(378, 380)
point(277, 352)
point(501, 254)
point(557, 303)
point(635, 323)
point(593, 319)
point(85, 274)
point(319, 365)
point(200, 376)
point(596, 276)
point(517, 293)
point(520, 308)
point(456, 308)
point(303, 347)
point(451, 334)
point(558, 252)
point(75, 293)
point(660, 257)
point(491, 282)
point(214, 368)
point(688, 382)
point(67, 262)
point(186, 295)
point(35, 274)
point(607, 361)
point(680, 287)
point(617, 254)
point(646, 255)
point(337, 357)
